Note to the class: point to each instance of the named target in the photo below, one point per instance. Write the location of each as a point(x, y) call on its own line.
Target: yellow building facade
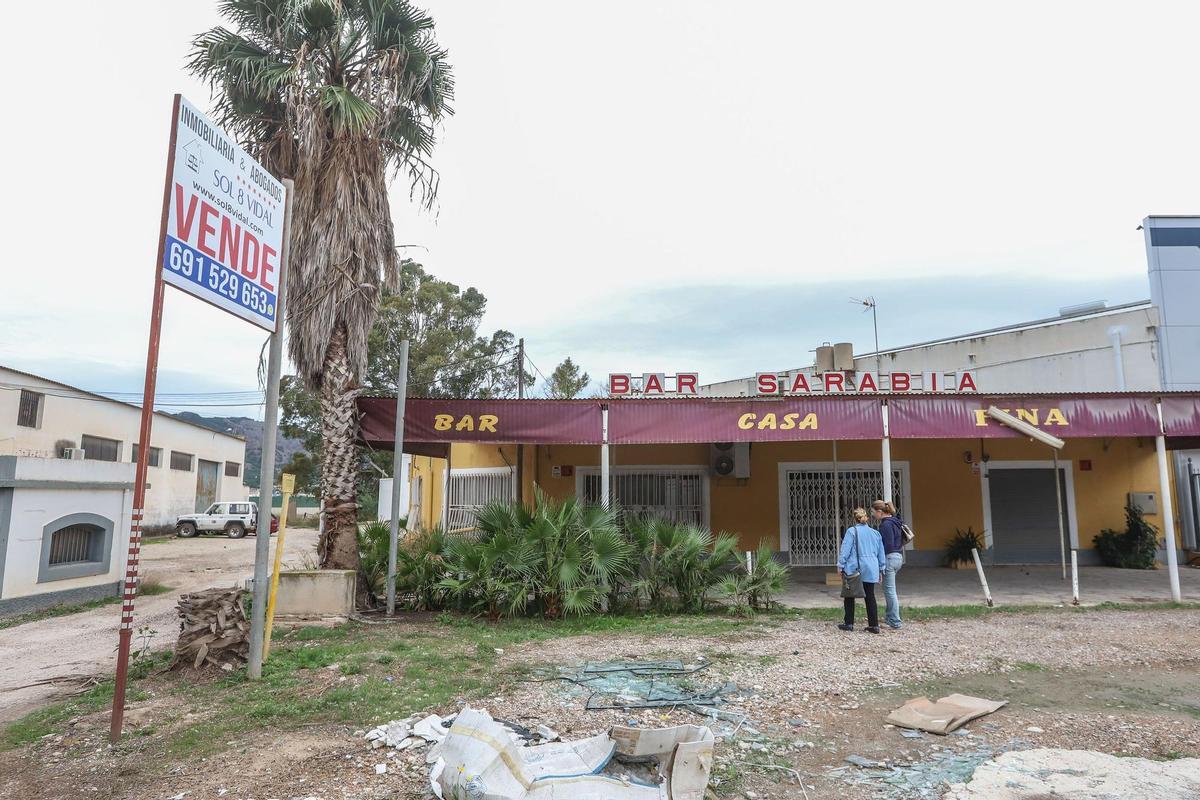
point(944, 485)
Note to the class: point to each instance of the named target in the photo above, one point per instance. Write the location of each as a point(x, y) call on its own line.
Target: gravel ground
point(83, 644)
point(1115, 682)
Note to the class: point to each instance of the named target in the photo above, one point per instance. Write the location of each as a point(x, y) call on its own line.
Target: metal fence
point(679, 494)
point(73, 545)
point(813, 523)
point(473, 489)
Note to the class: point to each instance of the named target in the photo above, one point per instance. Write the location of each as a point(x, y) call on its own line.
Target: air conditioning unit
point(730, 459)
point(72, 453)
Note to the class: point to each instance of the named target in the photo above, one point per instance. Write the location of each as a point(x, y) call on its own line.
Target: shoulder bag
point(852, 585)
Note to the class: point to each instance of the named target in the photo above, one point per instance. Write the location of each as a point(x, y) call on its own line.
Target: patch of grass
point(1028, 666)
point(147, 590)
point(49, 720)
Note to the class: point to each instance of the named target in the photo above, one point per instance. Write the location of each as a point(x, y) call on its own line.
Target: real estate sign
point(224, 221)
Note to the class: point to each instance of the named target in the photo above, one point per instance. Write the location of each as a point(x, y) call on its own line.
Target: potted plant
point(958, 549)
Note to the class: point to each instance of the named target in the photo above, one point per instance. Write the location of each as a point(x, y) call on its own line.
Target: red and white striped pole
point(130, 586)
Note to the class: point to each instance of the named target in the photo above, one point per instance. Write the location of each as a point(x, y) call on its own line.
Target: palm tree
point(333, 94)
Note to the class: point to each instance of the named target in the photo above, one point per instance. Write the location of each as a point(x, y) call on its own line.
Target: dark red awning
point(431, 423)
point(719, 420)
point(964, 417)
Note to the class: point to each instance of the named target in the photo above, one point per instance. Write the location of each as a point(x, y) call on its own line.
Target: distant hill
point(252, 429)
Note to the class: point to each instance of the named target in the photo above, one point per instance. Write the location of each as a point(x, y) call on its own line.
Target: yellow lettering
point(1029, 415)
point(467, 423)
point(487, 423)
point(767, 422)
point(1055, 417)
point(789, 422)
point(746, 421)
point(442, 422)
point(980, 418)
point(809, 423)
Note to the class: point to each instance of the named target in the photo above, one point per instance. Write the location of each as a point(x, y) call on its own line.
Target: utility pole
point(521, 396)
point(397, 477)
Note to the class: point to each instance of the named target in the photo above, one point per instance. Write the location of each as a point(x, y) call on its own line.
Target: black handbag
point(852, 585)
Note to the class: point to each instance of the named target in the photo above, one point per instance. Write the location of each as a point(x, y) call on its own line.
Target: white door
point(811, 524)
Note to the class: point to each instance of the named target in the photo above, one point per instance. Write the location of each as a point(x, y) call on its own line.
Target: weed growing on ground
point(149, 588)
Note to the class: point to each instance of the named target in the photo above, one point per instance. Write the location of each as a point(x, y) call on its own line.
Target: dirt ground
point(1120, 682)
point(83, 644)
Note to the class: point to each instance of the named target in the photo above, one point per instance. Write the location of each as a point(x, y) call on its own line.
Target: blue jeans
point(891, 612)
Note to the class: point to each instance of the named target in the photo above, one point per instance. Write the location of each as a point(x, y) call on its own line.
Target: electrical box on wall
point(730, 460)
point(1146, 501)
point(562, 471)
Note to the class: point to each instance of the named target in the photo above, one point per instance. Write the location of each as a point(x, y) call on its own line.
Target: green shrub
point(421, 566)
point(373, 542)
point(958, 550)
point(1136, 547)
point(751, 589)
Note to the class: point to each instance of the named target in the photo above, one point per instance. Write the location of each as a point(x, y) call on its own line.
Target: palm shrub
point(420, 567)
point(750, 588)
point(650, 538)
point(958, 549)
point(695, 562)
point(562, 556)
point(373, 541)
point(493, 574)
point(1136, 547)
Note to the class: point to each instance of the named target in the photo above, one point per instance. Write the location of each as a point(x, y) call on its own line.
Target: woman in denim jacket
point(892, 530)
point(862, 552)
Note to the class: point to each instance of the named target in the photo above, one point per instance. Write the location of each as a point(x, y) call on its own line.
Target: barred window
point(97, 448)
point(76, 544)
point(29, 414)
point(233, 469)
point(155, 459)
point(181, 461)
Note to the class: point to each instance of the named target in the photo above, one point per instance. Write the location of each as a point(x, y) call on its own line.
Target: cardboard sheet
point(946, 715)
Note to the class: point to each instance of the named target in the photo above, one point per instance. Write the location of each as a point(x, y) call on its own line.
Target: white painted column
point(887, 458)
point(604, 470)
point(1168, 514)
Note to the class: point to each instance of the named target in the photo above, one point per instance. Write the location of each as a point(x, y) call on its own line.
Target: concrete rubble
point(1078, 775)
point(484, 759)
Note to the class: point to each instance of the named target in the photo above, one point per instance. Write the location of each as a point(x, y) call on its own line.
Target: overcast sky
point(648, 186)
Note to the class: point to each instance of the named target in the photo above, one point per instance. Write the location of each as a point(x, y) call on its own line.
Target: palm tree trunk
point(339, 468)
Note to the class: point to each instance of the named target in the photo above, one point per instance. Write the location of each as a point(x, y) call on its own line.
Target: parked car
point(235, 520)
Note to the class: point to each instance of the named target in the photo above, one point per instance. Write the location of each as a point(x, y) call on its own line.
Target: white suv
point(233, 519)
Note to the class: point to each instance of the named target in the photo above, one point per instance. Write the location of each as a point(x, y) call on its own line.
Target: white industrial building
point(191, 466)
point(1151, 345)
point(67, 461)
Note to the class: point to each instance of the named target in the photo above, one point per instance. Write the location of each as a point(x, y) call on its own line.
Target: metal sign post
point(266, 486)
point(287, 485)
point(221, 231)
point(130, 583)
point(397, 467)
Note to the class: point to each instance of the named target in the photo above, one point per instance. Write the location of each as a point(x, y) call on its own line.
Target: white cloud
point(600, 152)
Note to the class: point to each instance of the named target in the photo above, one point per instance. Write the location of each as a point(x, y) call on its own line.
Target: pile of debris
point(639, 684)
point(417, 731)
point(481, 757)
point(213, 630)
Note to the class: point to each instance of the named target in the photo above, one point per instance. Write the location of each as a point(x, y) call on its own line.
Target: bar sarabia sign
point(224, 230)
point(625, 384)
point(808, 383)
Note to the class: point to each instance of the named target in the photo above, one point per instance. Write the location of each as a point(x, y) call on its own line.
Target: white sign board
point(224, 231)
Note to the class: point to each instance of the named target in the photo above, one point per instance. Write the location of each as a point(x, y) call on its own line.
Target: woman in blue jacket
point(862, 552)
point(891, 529)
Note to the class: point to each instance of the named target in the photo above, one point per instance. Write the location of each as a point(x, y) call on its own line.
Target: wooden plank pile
point(213, 630)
